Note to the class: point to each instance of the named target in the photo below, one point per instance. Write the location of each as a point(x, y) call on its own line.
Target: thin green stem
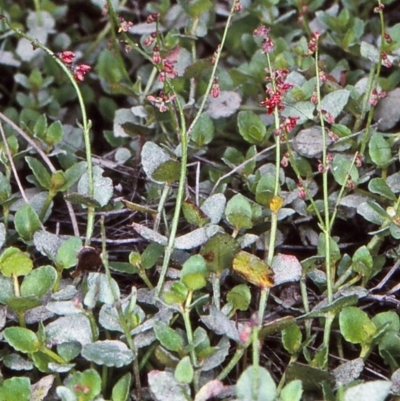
point(188, 326)
point(256, 362)
point(85, 127)
point(325, 190)
point(121, 315)
point(161, 204)
point(214, 69)
point(232, 363)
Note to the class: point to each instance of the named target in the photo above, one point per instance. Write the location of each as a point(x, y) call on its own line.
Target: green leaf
point(265, 189)
point(394, 230)
point(39, 171)
point(167, 172)
point(335, 102)
point(251, 127)
point(219, 251)
point(275, 326)
point(240, 297)
point(369, 52)
point(67, 252)
point(158, 164)
point(151, 254)
point(15, 262)
point(238, 212)
point(254, 387)
point(177, 294)
point(5, 189)
point(184, 371)
point(73, 174)
point(23, 304)
point(40, 127)
point(54, 134)
point(6, 288)
point(343, 171)
point(194, 273)
point(103, 186)
point(16, 388)
point(362, 261)
point(333, 246)
point(26, 222)
point(291, 339)
point(108, 67)
point(203, 131)
point(164, 386)
point(378, 186)
point(390, 317)
point(85, 385)
point(376, 390)
point(292, 391)
point(108, 352)
point(194, 215)
point(80, 199)
point(120, 391)
point(379, 150)
point(168, 337)
point(39, 282)
point(355, 325)
point(22, 339)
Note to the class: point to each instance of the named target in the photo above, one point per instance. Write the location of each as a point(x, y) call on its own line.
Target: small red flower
point(152, 18)
point(124, 25)
point(359, 160)
point(80, 71)
point(150, 39)
point(156, 56)
point(385, 60)
point(215, 91)
point(238, 6)
point(262, 30)
point(313, 43)
point(285, 160)
point(67, 57)
point(161, 101)
point(388, 38)
point(168, 68)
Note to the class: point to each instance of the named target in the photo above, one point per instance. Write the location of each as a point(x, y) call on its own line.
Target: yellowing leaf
point(253, 269)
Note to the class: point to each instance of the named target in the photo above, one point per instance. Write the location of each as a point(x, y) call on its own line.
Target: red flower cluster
point(313, 43)
point(67, 57)
point(161, 101)
point(375, 97)
point(124, 25)
point(267, 43)
point(167, 70)
point(274, 97)
point(80, 71)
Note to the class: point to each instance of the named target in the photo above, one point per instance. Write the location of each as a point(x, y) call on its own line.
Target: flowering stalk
point(276, 88)
point(372, 94)
point(74, 75)
point(184, 136)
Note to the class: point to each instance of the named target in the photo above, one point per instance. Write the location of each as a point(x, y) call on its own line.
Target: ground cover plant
point(200, 200)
